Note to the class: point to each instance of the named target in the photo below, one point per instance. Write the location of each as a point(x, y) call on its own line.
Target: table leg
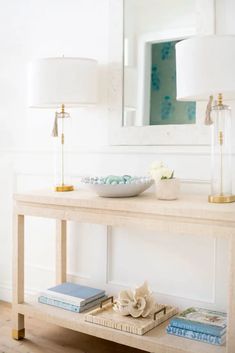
point(61, 235)
point(231, 299)
point(18, 330)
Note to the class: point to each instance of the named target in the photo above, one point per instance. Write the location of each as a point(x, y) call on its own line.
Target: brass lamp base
point(64, 188)
point(221, 198)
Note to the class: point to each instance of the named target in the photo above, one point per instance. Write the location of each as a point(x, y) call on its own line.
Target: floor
point(47, 338)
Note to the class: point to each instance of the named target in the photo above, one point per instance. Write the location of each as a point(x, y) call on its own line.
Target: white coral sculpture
point(138, 302)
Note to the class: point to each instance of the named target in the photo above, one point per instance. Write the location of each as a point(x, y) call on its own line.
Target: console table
point(189, 215)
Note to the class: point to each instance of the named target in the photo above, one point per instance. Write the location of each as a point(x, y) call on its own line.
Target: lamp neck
point(220, 99)
point(62, 108)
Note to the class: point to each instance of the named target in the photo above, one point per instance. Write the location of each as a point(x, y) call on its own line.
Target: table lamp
point(205, 70)
point(59, 83)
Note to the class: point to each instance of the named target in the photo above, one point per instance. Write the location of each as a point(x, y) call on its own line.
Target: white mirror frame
point(170, 135)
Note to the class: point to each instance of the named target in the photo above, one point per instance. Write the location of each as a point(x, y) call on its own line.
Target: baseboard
point(6, 288)
point(6, 293)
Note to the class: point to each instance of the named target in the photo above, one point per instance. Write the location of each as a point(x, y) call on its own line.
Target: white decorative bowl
point(120, 190)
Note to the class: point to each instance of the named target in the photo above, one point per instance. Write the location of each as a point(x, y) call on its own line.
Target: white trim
point(6, 287)
point(52, 272)
point(119, 149)
point(108, 250)
point(119, 284)
point(79, 176)
point(6, 292)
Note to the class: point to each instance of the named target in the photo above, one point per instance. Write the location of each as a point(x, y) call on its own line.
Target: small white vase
point(168, 189)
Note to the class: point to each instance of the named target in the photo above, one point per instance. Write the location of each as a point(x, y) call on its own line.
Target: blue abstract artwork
point(164, 108)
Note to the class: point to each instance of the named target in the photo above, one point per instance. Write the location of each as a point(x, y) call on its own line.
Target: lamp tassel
point(55, 127)
point(208, 120)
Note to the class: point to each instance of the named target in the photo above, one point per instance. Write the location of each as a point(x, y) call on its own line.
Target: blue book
point(68, 306)
point(201, 320)
point(72, 293)
point(196, 336)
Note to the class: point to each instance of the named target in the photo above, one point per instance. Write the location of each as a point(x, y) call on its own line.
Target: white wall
point(182, 270)
point(28, 30)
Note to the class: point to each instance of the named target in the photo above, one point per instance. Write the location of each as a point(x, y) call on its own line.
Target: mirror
point(149, 84)
point(140, 113)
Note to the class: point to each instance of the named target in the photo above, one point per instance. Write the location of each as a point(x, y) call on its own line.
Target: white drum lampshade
point(205, 68)
point(56, 81)
point(59, 83)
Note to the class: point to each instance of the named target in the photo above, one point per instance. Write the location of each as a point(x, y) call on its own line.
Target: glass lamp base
point(221, 198)
point(64, 188)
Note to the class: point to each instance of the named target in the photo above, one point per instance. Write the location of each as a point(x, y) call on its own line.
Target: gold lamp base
point(64, 188)
point(221, 198)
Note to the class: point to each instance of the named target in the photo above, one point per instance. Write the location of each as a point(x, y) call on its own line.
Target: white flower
point(166, 173)
point(156, 174)
point(158, 171)
point(156, 165)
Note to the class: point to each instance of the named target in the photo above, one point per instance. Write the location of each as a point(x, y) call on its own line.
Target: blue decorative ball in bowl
point(118, 186)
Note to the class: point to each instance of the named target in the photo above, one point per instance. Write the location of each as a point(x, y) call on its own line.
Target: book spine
point(70, 299)
point(61, 298)
point(197, 327)
point(69, 306)
point(197, 336)
point(60, 304)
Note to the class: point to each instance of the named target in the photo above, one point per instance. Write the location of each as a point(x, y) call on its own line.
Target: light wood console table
point(189, 215)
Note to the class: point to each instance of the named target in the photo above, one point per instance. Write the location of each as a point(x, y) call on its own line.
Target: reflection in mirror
point(150, 70)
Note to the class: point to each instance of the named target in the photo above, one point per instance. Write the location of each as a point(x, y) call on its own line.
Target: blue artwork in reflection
point(164, 108)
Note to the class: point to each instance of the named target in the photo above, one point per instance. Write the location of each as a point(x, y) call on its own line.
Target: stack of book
point(72, 297)
point(201, 325)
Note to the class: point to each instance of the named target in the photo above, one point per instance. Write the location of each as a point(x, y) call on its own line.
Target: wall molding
point(6, 292)
point(116, 283)
point(6, 287)
point(121, 149)
point(75, 275)
point(79, 176)
point(108, 252)
point(112, 285)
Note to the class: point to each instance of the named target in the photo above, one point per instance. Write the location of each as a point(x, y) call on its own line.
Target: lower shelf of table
point(155, 341)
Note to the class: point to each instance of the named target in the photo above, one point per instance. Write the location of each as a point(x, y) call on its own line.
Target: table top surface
point(188, 205)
